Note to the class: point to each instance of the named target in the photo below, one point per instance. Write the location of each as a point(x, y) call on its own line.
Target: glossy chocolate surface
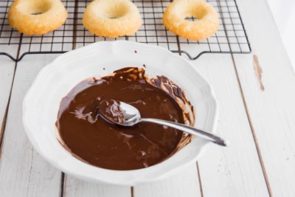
point(90, 138)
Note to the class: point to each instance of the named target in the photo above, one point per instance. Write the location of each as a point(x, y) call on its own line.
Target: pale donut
point(207, 22)
point(112, 18)
point(36, 17)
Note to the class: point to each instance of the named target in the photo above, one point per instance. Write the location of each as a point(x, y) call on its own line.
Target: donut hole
point(190, 18)
point(115, 11)
point(35, 8)
point(195, 13)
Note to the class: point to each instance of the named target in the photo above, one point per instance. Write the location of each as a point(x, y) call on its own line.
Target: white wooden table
point(257, 116)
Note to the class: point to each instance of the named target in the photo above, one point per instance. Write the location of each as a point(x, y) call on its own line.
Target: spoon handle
point(187, 129)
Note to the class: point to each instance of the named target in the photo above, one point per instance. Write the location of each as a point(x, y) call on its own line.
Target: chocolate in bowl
point(88, 137)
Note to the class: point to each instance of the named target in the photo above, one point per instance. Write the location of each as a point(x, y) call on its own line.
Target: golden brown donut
point(112, 18)
point(205, 25)
point(36, 17)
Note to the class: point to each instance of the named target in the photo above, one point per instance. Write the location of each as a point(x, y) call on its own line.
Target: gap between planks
point(62, 181)
point(200, 180)
point(132, 191)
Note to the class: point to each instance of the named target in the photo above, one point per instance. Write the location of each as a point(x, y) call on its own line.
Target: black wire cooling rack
point(231, 37)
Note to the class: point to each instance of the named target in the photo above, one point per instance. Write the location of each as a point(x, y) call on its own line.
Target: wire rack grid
point(230, 38)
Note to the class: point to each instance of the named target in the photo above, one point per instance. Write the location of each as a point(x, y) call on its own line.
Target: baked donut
point(36, 17)
point(112, 18)
point(205, 25)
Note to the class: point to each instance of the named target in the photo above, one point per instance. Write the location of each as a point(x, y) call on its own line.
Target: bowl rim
point(59, 165)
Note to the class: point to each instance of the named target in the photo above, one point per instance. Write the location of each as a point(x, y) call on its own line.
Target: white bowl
point(41, 104)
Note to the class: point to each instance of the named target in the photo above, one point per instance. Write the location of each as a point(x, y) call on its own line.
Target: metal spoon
point(123, 114)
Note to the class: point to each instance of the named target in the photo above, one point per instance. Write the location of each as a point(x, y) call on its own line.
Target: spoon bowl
point(119, 113)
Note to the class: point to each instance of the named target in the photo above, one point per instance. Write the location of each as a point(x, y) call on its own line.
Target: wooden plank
point(272, 111)
point(184, 183)
point(6, 77)
point(76, 188)
point(272, 115)
point(234, 170)
point(22, 171)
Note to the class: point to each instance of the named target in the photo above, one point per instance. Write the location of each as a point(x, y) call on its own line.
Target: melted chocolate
point(87, 136)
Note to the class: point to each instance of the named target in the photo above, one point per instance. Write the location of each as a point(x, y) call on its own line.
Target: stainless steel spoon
point(123, 114)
